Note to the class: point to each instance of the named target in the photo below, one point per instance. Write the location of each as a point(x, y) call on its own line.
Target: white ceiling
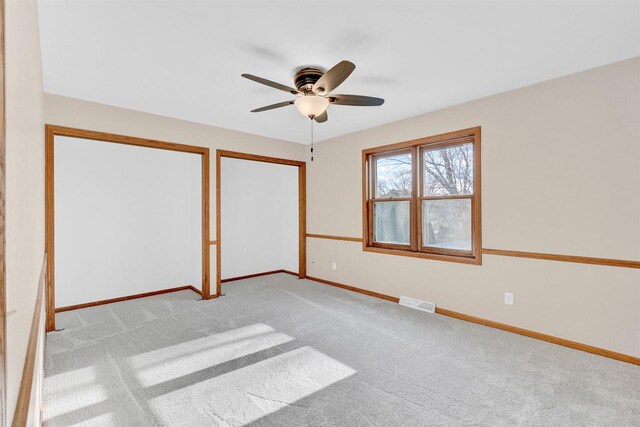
point(184, 59)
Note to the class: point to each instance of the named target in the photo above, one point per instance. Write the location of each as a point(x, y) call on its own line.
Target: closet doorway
point(126, 217)
point(261, 216)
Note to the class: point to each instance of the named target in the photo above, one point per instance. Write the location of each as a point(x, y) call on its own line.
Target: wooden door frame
point(302, 208)
point(51, 131)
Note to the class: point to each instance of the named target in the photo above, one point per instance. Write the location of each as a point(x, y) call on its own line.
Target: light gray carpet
point(279, 351)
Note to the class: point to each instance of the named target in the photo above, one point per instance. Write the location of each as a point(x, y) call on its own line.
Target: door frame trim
point(302, 208)
point(51, 131)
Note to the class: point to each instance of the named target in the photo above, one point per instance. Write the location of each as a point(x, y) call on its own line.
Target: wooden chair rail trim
point(497, 325)
point(330, 237)
point(126, 298)
point(611, 262)
point(566, 258)
point(28, 371)
point(265, 273)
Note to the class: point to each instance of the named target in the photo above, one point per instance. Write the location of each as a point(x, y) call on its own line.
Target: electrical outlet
point(508, 298)
point(334, 266)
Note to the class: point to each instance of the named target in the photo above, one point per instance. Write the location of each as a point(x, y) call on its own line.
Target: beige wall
point(560, 174)
point(24, 183)
point(71, 112)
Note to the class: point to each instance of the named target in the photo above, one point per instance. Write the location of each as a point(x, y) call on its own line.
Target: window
point(422, 198)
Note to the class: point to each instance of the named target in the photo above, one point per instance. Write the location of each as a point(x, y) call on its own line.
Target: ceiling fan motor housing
point(306, 78)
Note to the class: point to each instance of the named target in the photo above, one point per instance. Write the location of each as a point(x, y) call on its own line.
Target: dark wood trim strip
point(302, 221)
point(213, 242)
point(218, 225)
point(265, 273)
point(540, 336)
point(611, 262)
point(206, 232)
point(302, 211)
point(123, 139)
point(490, 323)
point(456, 137)
point(50, 132)
point(194, 289)
point(424, 255)
point(565, 258)
point(49, 226)
point(260, 158)
point(326, 236)
point(21, 413)
point(354, 289)
point(128, 297)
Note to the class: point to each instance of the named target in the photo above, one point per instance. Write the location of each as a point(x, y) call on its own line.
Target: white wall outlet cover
point(334, 266)
point(508, 298)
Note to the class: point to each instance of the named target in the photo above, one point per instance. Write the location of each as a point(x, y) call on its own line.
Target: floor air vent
point(429, 307)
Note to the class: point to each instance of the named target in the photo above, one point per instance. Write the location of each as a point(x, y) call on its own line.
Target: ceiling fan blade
point(334, 77)
point(322, 117)
point(357, 100)
point(272, 106)
point(270, 83)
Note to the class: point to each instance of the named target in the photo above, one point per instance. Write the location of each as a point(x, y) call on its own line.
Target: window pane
point(448, 171)
point(447, 223)
point(391, 222)
point(393, 176)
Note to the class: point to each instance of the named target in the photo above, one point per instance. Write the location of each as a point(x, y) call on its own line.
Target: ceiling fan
point(313, 87)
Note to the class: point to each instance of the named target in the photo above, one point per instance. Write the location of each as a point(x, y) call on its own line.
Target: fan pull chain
point(312, 139)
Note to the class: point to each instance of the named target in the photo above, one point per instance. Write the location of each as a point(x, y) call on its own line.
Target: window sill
point(474, 260)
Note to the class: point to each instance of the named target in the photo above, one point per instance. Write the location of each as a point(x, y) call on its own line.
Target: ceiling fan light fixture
point(311, 105)
point(314, 86)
